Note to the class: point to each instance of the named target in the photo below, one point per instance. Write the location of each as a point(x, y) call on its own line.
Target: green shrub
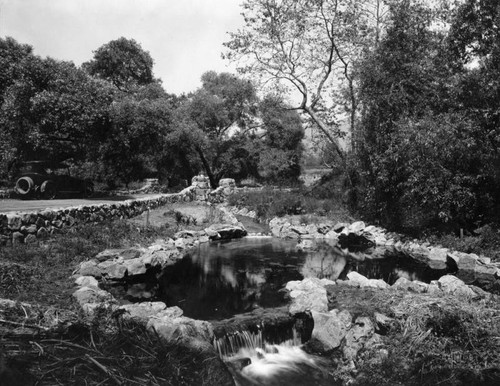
point(269, 203)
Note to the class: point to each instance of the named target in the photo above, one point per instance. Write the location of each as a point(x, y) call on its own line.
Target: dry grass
point(433, 340)
point(56, 347)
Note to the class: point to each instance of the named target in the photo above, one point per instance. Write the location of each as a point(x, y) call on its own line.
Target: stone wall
point(16, 228)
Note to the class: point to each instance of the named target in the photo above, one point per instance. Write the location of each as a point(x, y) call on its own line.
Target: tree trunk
point(325, 129)
point(208, 170)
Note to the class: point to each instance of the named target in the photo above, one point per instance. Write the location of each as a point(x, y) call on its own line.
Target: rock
point(227, 182)
point(181, 328)
point(357, 227)
point(17, 238)
point(339, 227)
point(362, 281)
point(30, 239)
point(433, 288)
point(357, 336)
point(330, 329)
point(332, 235)
point(145, 310)
point(42, 233)
point(89, 268)
point(437, 258)
point(486, 273)
point(237, 364)
point(14, 222)
point(226, 231)
point(130, 254)
point(87, 281)
point(180, 244)
point(416, 286)
point(160, 258)
point(453, 285)
point(112, 269)
point(134, 267)
point(323, 228)
point(299, 229)
point(382, 322)
point(308, 295)
point(86, 295)
point(108, 254)
point(31, 229)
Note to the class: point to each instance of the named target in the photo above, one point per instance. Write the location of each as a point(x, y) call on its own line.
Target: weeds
point(486, 241)
point(270, 203)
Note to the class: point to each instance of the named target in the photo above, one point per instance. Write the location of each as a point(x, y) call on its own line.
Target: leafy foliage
point(430, 132)
point(122, 62)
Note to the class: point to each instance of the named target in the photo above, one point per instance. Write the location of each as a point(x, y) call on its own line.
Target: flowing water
point(253, 361)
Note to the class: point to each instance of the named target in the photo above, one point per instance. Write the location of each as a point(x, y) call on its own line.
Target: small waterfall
point(231, 343)
point(259, 357)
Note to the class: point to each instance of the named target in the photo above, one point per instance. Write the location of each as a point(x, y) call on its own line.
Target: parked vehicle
point(47, 180)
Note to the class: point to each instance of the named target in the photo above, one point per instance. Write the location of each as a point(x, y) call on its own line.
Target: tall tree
point(54, 111)
point(281, 148)
point(139, 123)
point(305, 46)
point(221, 107)
point(122, 62)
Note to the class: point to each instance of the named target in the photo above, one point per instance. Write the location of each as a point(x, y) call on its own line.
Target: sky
point(184, 37)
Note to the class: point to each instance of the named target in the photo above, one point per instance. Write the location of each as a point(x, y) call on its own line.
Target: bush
point(269, 203)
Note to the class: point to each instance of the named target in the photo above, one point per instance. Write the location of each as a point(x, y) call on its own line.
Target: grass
point(485, 241)
point(102, 352)
point(50, 342)
point(270, 203)
point(432, 340)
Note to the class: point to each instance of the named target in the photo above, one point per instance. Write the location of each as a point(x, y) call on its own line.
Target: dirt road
point(12, 205)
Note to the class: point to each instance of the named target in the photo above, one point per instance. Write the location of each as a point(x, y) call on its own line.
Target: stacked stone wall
point(16, 228)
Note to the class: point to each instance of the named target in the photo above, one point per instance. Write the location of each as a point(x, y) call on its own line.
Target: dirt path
point(12, 205)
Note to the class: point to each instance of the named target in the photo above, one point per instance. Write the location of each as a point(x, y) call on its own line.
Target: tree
point(306, 46)
point(139, 123)
point(12, 60)
point(54, 111)
point(221, 107)
point(429, 153)
point(123, 62)
point(281, 148)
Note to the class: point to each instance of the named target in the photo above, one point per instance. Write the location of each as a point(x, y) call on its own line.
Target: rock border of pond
point(333, 329)
point(376, 241)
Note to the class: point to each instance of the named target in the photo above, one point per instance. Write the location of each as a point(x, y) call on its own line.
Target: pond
point(220, 280)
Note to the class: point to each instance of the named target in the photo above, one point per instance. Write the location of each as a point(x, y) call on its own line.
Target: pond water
point(220, 280)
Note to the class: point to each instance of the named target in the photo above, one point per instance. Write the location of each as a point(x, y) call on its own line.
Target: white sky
point(184, 37)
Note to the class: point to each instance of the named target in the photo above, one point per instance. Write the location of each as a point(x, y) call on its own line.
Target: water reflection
point(221, 280)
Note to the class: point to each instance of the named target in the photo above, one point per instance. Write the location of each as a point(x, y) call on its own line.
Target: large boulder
point(361, 281)
point(330, 328)
point(145, 310)
point(86, 295)
point(307, 295)
point(437, 258)
point(225, 231)
point(181, 328)
point(453, 285)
